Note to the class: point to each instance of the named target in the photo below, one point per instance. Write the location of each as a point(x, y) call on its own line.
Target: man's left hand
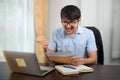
point(77, 60)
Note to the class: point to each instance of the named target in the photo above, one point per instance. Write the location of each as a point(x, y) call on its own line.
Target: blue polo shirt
point(81, 42)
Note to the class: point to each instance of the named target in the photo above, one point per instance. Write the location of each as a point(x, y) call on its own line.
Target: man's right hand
point(44, 43)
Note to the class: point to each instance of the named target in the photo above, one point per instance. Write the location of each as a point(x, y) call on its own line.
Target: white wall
point(104, 21)
point(116, 30)
point(88, 12)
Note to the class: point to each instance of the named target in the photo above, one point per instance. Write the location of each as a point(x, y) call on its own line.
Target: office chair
point(99, 44)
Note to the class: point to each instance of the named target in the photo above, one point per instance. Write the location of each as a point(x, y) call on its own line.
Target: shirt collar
point(79, 30)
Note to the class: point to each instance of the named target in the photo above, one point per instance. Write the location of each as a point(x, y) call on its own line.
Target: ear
point(79, 20)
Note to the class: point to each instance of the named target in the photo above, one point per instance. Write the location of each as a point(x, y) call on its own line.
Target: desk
point(102, 72)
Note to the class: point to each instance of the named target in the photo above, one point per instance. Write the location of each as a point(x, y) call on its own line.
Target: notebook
point(69, 69)
point(60, 57)
point(26, 63)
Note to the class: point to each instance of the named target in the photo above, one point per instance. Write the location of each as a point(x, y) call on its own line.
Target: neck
point(71, 35)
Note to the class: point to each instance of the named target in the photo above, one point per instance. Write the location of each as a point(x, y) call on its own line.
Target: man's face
point(70, 26)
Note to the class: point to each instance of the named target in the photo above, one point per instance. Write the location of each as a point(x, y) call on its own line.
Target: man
point(73, 37)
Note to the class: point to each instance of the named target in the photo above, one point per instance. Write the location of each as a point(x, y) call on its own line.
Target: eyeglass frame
point(71, 23)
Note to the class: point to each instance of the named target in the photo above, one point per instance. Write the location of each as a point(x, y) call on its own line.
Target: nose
point(68, 25)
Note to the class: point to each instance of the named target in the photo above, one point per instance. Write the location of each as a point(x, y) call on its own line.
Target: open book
point(60, 57)
point(69, 69)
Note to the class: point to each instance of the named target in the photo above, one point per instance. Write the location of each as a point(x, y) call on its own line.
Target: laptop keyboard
point(44, 68)
point(43, 71)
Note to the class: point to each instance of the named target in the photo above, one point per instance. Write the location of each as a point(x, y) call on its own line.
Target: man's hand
point(77, 60)
point(44, 43)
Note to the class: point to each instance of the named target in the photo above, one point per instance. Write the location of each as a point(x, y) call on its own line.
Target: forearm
point(90, 60)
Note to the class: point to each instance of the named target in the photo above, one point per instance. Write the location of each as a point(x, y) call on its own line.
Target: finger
point(75, 63)
point(75, 58)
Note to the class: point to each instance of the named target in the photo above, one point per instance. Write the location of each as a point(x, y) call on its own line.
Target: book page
point(69, 69)
point(84, 68)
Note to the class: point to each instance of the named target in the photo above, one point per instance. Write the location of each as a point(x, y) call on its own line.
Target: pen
point(70, 67)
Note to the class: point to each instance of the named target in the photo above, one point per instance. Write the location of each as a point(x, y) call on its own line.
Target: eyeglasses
point(71, 23)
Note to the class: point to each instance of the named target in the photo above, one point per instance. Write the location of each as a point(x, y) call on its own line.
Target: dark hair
point(70, 12)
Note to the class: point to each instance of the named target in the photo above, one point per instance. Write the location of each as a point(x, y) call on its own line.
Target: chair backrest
point(99, 44)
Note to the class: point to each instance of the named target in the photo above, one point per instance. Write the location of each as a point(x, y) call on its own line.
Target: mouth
point(68, 28)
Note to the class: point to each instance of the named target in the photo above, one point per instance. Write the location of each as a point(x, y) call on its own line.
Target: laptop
point(26, 63)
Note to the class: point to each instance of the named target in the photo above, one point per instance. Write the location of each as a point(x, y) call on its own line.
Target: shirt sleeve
point(91, 44)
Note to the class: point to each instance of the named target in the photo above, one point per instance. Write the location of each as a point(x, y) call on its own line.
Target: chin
point(68, 33)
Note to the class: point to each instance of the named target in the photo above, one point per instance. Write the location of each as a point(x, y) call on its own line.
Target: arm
point(77, 60)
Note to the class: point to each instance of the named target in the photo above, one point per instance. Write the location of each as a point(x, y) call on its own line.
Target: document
point(60, 57)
